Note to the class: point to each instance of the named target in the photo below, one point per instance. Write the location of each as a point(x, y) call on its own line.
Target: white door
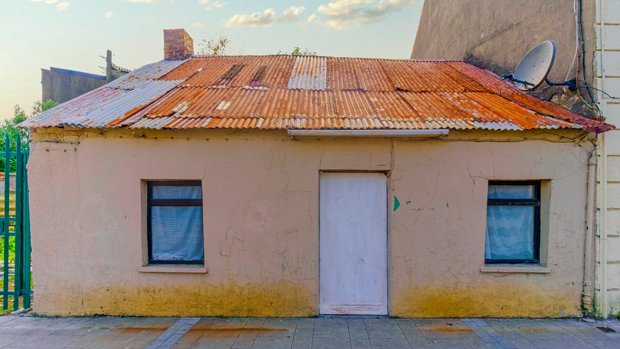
point(353, 243)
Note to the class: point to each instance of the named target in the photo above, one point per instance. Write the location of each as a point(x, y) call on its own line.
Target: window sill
point(515, 269)
point(174, 268)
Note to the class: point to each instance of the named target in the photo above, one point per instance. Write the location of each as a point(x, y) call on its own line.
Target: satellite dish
point(535, 66)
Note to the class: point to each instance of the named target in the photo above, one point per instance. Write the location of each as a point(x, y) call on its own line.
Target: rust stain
point(134, 330)
point(278, 299)
point(446, 328)
point(216, 331)
point(484, 300)
point(312, 92)
point(532, 329)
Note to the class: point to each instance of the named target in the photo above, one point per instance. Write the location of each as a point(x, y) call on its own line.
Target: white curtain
point(510, 232)
point(176, 231)
point(510, 229)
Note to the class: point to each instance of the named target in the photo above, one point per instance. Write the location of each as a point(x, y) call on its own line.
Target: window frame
point(150, 202)
point(536, 203)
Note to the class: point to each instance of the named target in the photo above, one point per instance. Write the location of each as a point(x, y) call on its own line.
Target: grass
point(11, 250)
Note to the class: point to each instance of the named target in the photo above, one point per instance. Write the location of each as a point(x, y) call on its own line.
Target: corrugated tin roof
point(311, 92)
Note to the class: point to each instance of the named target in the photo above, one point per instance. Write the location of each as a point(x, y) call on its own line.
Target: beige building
point(298, 186)
point(495, 34)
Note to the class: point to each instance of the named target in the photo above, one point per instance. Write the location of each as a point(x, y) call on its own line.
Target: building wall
point(500, 32)
point(260, 194)
point(496, 34)
point(608, 237)
point(60, 86)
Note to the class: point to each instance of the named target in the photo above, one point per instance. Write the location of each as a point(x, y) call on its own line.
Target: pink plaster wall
point(260, 194)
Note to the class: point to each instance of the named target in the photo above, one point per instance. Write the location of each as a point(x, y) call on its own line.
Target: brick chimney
point(177, 44)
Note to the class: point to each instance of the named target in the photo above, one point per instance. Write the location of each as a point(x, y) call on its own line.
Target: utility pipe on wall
point(370, 133)
point(589, 260)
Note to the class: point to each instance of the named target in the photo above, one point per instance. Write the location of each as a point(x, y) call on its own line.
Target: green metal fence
point(15, 228)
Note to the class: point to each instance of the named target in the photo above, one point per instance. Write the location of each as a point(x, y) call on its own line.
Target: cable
point(583, 63)
point(570, 69)
point(601, 91)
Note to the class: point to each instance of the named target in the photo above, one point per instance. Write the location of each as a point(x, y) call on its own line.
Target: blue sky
point(73, 34)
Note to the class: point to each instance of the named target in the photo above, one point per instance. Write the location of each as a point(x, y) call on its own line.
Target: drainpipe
point(604, 307)
point(589, 259)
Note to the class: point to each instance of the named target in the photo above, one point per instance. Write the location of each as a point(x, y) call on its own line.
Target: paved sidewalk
point(25, 331)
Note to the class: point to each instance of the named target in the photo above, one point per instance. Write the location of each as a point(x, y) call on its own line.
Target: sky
point(74, 34)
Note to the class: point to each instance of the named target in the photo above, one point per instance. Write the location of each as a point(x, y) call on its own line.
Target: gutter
point(369, 133)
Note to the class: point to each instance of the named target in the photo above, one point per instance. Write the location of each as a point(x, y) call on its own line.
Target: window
point(175, 222)
point(513, 223)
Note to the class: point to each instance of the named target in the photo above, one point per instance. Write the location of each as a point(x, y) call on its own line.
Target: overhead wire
point(572, 64)
point(579, 24)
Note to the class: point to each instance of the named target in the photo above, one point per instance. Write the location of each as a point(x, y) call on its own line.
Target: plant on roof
point(214, 47)
point(298, 51)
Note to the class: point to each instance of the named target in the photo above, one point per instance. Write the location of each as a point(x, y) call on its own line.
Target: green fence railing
point(15, 228)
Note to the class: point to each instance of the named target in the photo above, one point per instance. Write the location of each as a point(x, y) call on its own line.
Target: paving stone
point(389, 343)
point(331, 332)
point(451, 343)
point(189, 339)
point(360, 343)
point(415, 338)
point(322, 323)
point(212, 342)
point(356, 324)
point(391, 332)
point(303, 338)
point(407, 323)
point(561, 344)
point(354, 333)
point(9, 339)
point(606, 343)
point(341, 333)
point(305, 323)
point(272, 343)
point(331, 343)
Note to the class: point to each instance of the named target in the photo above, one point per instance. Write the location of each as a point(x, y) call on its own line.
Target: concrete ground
point(25, 331)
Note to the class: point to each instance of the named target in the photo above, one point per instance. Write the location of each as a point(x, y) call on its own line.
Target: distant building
point(61, 85)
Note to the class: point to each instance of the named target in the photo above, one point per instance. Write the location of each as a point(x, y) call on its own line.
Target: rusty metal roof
point(311, 92)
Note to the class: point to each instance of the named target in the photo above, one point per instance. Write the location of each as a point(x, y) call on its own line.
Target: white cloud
point(292, 13)
point(337, 14)
point(109, 14)
point(313, 18)
point(141, 1)
point(62, 6)
point(199, 24)
point(255, 19)
point(211, 4)
point(264, 18)
point(58, 5)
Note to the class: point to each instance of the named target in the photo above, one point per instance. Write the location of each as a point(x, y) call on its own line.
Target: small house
point(303, 185)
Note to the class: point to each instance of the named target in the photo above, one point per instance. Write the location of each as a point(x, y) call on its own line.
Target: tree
point(214, 47)
point(10, 128)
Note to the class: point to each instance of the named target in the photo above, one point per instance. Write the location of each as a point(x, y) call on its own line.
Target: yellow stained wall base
point(281, 299)
point(484, 300)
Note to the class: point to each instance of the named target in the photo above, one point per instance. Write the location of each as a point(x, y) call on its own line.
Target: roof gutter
point(369, 133)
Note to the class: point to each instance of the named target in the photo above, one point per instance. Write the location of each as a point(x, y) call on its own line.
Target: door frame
point(388, 188)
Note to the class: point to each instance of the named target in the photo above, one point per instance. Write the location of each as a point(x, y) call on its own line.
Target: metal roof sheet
point(310, 92)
